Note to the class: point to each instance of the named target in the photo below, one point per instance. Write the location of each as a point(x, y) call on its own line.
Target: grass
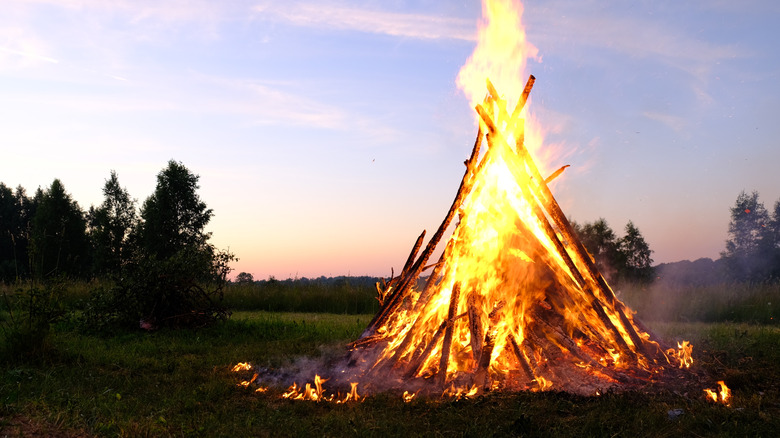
point(739, 302)
point(340, 296)
point(179, 383)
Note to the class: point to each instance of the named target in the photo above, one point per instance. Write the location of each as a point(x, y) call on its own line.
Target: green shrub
point(184, 290)
point(26, 315)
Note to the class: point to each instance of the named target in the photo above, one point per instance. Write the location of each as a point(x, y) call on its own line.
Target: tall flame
point(501, 54)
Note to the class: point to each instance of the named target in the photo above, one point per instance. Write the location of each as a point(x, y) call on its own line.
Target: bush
point(25, 318)
point(184, 290)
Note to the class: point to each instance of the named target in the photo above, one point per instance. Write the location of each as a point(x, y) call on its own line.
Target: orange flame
point(683, 354)
point(317, 393)
point(501, 54)
point(241, 366)
point(723, 395)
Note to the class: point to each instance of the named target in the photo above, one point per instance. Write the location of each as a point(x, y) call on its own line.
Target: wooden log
point(412, 255)
point(481, 375)
point(618, 337)
point(488, 344)
point(555, 174)
point(475, 328)
point(447, 343)
point(418, 361)
point(524, 365)
point(554, 333)
point(529, 84)
point(366, 341)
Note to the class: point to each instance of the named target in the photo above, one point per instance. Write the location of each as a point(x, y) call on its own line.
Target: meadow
point(180, 383)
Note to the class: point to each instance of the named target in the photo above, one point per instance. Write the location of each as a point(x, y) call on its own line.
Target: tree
point(10, 219)
point(174, 215)
point(748, 255)
point(175, 277)
point(601, 242)
point(245, 278)
point(110, 226)
point(58, 235)
point(635, 253)
point(772, 237)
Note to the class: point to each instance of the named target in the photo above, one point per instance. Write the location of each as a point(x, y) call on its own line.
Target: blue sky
point(327, 135)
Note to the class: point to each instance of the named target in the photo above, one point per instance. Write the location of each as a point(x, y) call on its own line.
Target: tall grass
point(303, 296)
point(736, 302)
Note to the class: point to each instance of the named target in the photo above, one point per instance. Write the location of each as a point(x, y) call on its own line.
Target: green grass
point(737, 302)
point(341, 296)
point(179, 383)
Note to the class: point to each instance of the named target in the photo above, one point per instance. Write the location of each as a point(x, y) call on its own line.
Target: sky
point(328, 134)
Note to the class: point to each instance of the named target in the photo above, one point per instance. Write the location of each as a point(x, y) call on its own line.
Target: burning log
point(475, 328)
point(526, 367)
point(445, 350)
point(555, 174)
point(418, 361)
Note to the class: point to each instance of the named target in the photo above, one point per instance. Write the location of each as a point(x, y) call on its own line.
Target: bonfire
point(514, 302)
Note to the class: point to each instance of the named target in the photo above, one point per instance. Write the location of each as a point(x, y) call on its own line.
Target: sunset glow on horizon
point(328, 134)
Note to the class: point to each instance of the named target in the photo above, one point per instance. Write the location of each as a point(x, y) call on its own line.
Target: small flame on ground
point(242, 366)
point(408, 396)
point(246, 383)
point(462, 392)
point(544, 384)
point(317, 393)
point(683, 354)
point(723, 395)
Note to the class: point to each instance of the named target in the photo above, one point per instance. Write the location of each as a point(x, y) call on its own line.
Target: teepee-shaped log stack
point(515, 301)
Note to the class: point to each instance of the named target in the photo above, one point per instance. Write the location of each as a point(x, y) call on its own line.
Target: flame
point(723, 395)
point(241, 366)
point(317, 393)
point(544, 384)
point(460, 392)
point(501, 54)
point(408, 396)
point(246, 383)
point(683, 354)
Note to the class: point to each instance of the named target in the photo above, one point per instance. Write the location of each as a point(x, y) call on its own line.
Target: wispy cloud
point(673, 122)
point(28, 55)
point(564, 25)
point(408, 25)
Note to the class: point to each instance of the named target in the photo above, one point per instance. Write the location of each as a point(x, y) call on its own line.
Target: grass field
point(179, 383)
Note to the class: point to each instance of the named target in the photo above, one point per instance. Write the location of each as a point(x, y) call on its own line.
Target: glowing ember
point(722, 396)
